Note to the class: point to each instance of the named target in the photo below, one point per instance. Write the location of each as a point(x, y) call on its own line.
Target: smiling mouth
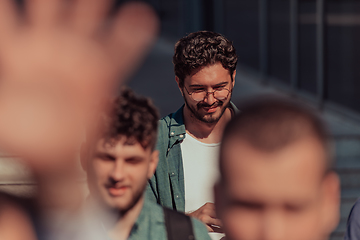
point(117, 191)
point(210, 109)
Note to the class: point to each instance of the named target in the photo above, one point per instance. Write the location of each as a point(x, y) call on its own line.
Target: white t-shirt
point(200, 161)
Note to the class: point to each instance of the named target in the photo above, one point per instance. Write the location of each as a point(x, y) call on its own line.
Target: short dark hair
point(200, 49)
point(131, 116)
point(270, 123)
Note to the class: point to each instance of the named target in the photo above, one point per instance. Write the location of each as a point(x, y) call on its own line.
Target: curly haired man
point(189, 139)
point(118, 169)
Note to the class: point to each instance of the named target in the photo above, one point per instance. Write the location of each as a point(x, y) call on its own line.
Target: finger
point(134, 29)
point(209, 209)
point(88, 15)
point(209, 229)
point(44, 13)
point(217, 229)
point(8, 19)
point(210, 221)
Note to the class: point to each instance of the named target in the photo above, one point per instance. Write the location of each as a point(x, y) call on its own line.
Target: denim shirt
point(150, 225)
point(166, 187)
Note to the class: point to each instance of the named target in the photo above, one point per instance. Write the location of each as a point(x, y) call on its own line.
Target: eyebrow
point(104, 154)
point(198, 85)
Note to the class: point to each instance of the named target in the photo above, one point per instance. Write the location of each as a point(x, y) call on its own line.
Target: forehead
point(210, 74)
point(293, 172)
point(122, 147)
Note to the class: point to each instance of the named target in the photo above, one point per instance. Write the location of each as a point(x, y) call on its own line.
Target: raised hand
point(58, 61)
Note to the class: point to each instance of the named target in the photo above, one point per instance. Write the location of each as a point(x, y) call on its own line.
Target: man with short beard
point(189, 139)
point(118, 169)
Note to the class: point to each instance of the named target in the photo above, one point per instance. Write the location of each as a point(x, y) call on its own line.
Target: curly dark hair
point(134, 117)
point(200, 49)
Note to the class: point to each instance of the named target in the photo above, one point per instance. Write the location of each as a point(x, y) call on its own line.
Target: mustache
point(111, 183)
point(215, 104)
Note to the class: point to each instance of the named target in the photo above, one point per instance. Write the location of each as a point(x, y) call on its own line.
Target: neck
point(125, 222)
point(203, 131)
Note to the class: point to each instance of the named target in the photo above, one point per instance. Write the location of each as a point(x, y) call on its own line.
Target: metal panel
point(320, 51)
point(264, 39)
point(219, 16)
point(294, 44)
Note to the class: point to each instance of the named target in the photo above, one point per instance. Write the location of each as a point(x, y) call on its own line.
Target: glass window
point(241, 25)
point(343, 52)
point(307, 46)
point(279, 40)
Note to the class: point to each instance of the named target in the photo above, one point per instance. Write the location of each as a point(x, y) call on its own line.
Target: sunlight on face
point(208, 78)
point(120, 173)
point(278, 195)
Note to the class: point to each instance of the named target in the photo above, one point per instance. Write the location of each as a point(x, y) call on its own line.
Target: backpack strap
point(178, 225)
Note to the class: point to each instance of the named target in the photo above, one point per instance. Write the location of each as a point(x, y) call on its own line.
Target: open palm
point(58, 61)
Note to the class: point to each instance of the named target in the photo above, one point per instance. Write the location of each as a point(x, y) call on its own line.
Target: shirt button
point(177, 196)
point(172, 174)
point(181, 136)
point(172, 133)
point(168, 149)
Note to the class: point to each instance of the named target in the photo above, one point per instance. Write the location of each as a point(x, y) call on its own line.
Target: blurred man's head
point(123, 158)
point(205, 69)
point(276, 179)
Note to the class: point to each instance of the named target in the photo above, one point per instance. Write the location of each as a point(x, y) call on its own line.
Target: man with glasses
point(189, 139)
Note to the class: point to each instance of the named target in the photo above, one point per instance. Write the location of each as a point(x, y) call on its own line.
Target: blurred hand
point(206, 214)
point(58, 61)
point(13, 218)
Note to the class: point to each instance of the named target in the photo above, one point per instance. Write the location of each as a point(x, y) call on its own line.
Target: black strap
point(178, 225)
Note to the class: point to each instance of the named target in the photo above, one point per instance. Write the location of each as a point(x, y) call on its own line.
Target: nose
point(273, 226)
point(209, 98)
point(118, 170)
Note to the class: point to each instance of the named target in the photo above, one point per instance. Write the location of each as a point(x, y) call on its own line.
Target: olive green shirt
point(166, 187)
point(150, 225)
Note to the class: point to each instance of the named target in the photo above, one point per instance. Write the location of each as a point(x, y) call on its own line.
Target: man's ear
point(154, 159)
point(178, 83)
point(331, 202)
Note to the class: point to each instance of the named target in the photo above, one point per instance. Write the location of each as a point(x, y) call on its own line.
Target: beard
point(207, 118)
point(113, 207)
point(136, 198)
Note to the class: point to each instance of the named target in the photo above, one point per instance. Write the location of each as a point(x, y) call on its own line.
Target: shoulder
point(155, 210)
point(353, 223)
point(200, 230)
point(233, 108)
point(178, 220)
point(173, 118)
point(164, 122)
point(355, 211)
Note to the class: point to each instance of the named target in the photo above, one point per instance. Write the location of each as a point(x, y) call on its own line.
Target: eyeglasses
point(199, 95)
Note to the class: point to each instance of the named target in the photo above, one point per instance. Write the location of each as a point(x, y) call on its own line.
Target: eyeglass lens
point(218, 94)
